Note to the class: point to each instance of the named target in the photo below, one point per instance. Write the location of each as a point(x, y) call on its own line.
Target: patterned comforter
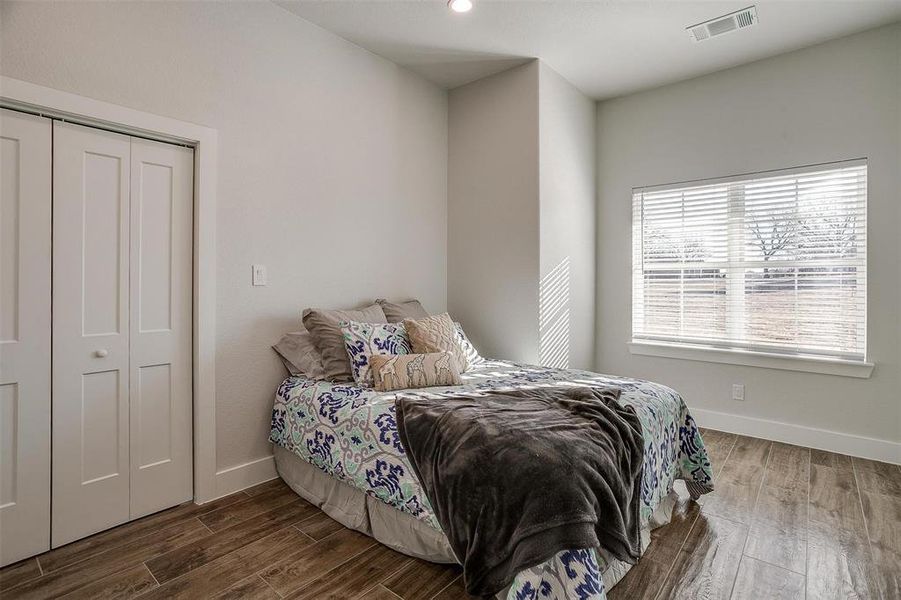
point(351, 434)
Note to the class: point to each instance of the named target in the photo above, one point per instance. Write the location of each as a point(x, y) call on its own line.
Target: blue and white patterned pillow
point(362, 340)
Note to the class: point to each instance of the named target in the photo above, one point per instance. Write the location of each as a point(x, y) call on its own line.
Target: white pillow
point(472, 355)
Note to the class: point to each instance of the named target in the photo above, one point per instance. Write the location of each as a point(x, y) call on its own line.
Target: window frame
point(757, 355)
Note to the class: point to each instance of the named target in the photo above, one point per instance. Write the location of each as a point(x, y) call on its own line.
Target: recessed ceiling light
point(460, 6)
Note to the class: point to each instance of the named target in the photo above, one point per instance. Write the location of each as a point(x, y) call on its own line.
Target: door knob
point(101, 353)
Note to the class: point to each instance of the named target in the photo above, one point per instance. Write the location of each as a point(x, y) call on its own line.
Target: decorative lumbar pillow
point(299, 355)
point(325, 328)
point(469, 351)
point(436, 334)
point(397, 312)
point(365, 340)
point(405, 371)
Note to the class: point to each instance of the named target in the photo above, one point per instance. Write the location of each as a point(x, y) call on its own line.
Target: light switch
point(259, 275)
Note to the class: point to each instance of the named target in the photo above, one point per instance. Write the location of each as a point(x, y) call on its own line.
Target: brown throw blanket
point(516, 477)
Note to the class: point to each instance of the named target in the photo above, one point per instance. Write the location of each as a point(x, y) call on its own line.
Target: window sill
point(766, 360)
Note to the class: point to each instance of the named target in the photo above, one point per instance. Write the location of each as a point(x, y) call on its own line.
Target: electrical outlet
point(259, 274)
point(738, 391)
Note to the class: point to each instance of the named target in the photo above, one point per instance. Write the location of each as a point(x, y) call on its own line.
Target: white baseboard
point(820, 439)
point(234, 479)
point(239, 477)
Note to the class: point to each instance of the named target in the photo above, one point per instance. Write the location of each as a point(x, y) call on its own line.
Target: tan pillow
point(325, 329)
point(405, 371)
point(436, 334)
point(396, 312)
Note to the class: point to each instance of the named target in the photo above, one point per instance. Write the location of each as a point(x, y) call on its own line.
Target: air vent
point(720, 25)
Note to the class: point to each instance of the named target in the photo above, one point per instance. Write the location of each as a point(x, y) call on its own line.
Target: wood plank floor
point(785, 522)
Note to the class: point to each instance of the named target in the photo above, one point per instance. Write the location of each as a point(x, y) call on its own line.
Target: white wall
point(492, 216)
point(332, 163)
point(838, 100)
point(567, 221)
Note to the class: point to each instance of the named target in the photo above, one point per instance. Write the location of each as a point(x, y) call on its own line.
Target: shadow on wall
point(553, 317)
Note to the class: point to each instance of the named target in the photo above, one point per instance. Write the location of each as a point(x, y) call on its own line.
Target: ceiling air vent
point(720, 25)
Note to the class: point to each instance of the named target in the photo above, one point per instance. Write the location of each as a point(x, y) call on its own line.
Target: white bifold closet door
point(160, 375)
point(25, 206)
point(122, 220)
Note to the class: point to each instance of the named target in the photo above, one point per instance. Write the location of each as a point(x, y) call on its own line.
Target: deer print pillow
point(406, 371)
point(365, 340)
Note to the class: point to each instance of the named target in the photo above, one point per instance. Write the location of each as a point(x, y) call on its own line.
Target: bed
point(337, 445)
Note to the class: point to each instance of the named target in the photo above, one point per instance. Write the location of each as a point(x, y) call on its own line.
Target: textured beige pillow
point(436, 334)
point(405, 371)
point(325, 328)
point(396, 312)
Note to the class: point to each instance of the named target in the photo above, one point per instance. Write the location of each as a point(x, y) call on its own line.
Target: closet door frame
point(208, 482)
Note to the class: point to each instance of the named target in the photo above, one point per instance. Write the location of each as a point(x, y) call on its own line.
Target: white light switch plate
point(259, 274)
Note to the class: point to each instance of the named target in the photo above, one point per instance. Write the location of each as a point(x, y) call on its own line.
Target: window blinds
point(772, 262)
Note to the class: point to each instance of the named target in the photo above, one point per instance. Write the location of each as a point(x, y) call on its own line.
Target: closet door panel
point(25, 212)
point(161, 285)
point(90, 331)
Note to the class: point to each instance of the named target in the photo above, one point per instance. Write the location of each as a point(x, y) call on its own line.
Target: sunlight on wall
point(553, 317)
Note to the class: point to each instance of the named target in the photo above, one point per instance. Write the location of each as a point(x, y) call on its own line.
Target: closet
point(95, 330)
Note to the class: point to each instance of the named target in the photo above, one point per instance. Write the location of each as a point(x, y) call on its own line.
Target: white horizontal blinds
point(773, 262)
point(684, 251)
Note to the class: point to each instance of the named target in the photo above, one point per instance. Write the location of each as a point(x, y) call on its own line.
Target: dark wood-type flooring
point(785, 522)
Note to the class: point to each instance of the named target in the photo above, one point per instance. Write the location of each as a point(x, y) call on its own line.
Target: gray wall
point(492, 217)
point(835, 101)
point(332, 163)
point(567, 222)
point(521, 214)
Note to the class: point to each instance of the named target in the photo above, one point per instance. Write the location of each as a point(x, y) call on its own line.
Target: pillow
point(299, 355)
point(325, 328)
point(405, 371)
point(436, 334)
point(364, 340)
point(395, 313)
point(469, 351)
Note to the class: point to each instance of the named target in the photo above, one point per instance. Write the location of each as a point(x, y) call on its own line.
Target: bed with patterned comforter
point(351, 434)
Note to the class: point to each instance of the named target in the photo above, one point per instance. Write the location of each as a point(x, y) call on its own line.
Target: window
point(773, 262)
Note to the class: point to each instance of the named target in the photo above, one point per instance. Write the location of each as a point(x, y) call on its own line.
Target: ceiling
point(606, 48)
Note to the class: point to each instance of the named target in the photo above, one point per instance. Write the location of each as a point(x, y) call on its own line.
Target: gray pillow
point(299, 355)
point(397, 312)
point(325, 328)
